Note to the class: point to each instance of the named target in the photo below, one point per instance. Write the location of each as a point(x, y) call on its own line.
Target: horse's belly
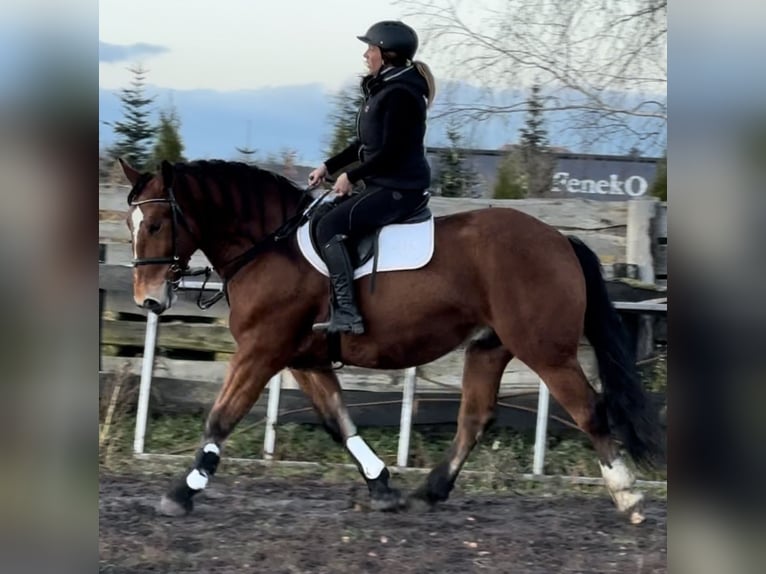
point(400, 349)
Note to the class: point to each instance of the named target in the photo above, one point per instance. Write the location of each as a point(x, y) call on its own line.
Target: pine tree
point(534, 136)
point(454, 178)
point(168, 145)
point(538, 162)
point(135, 132)
point(346, 105)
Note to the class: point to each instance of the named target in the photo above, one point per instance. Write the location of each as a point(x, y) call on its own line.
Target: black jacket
point(391, 127)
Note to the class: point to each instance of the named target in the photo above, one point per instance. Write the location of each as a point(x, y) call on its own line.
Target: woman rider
point(390, 148)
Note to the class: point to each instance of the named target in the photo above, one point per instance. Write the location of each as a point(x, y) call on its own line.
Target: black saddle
point(361, 250)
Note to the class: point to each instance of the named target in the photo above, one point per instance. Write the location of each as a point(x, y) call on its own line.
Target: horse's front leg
point(249, 372)
point(323, 389)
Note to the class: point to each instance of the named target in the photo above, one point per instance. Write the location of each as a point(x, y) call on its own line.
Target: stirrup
point(355, 327)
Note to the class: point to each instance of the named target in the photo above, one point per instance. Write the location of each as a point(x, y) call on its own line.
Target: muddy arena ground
point(259, 522)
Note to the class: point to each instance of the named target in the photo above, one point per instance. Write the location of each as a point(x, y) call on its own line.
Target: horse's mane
point(243, 175)
point(226, 179)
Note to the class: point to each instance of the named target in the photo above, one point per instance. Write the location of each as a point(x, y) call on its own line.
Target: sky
point(236, 51)
point(236, 44)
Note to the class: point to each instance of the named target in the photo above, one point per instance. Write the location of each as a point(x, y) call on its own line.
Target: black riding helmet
point(394, 36)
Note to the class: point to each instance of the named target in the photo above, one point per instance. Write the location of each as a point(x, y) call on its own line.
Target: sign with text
point(597, 178)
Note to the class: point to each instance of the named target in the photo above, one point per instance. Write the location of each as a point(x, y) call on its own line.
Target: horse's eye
point(154, 227)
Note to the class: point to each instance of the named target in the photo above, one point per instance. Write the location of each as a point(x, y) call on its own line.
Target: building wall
point(599, 177)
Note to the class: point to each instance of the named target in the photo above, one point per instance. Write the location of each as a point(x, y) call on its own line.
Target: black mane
point(220, 180)
point(242, 175)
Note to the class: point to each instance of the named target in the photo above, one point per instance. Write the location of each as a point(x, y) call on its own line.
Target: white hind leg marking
point(619, 482)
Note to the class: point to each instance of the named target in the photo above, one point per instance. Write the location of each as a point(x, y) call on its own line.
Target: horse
point(500, 282)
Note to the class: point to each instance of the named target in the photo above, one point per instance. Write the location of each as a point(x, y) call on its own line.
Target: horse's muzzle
point(157, 300)
point(153, 305)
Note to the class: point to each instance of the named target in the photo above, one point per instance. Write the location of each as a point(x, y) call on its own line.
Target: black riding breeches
point(368, 211)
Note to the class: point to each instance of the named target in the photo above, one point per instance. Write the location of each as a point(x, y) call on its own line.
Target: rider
point(389, 144)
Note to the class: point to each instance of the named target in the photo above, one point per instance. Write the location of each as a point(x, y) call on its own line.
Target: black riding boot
point(344, 316)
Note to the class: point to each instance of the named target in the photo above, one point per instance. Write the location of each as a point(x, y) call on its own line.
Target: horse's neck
point(230, 234)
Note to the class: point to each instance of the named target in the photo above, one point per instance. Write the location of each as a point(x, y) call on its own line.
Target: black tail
point(631, 417)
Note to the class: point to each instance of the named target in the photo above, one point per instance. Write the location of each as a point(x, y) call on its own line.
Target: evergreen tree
point(538, 162)
point(454, 178)
point(346, 105)
point(510, 182)
point(135, 132)
point(168, 145)
point(534, 136)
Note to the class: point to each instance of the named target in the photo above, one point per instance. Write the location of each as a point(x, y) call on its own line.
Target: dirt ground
point(295, 525)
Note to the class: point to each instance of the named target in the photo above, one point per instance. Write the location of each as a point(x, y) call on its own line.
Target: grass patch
point(502, 453)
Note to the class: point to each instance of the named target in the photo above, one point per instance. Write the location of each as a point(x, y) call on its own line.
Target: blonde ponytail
point(425, 71)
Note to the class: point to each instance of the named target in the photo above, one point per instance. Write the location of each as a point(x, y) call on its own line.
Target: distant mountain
point(214, 124)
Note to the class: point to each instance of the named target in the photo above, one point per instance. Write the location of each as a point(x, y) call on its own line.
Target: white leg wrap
point(212, 447)
point(371, 465)
point(619, 481)
point(196, 480)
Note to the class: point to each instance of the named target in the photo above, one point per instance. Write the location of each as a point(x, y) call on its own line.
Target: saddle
point(362, 249)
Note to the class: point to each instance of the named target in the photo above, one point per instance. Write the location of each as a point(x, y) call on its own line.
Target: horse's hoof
point(418, 505)
point(420, 502)
point(631, 504)
point(636, 513)
point(389, 501)
point(170, 507)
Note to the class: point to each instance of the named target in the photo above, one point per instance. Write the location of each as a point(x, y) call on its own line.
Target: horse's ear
point(130, 172)
point(167, 173)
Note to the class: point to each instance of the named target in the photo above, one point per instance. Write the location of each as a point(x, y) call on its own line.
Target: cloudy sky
point(236, 44)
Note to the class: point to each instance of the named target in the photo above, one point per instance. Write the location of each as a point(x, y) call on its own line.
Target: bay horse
point(501, 281)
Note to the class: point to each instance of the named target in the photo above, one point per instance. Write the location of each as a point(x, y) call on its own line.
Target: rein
point(288, 228)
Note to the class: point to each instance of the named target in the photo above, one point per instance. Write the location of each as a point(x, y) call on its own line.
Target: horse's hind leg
point(325, 393)
point(249, 372)
point(569, 386)
point(485, 360)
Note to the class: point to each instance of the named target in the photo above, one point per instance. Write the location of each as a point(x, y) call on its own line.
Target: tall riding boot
point(344, 316)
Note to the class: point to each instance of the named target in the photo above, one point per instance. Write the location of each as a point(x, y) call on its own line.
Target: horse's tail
point(631, 416)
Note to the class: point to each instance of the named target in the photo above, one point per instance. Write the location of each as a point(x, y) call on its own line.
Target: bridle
point(173, 260)
point(179, 270)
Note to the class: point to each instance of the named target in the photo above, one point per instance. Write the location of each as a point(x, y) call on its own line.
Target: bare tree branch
point(601, 61)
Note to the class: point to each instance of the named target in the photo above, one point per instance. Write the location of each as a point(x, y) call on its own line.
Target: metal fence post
point(541, 430)
point(405, 423)
point(147, 366)
point(272, 413)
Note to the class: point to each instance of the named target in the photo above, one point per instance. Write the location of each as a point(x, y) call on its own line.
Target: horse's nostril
point(153, 305)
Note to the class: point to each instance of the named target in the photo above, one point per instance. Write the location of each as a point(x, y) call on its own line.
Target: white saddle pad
point(401, 247)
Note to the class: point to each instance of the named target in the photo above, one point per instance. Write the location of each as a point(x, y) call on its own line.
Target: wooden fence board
point(380, 409)
point(442, 375)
